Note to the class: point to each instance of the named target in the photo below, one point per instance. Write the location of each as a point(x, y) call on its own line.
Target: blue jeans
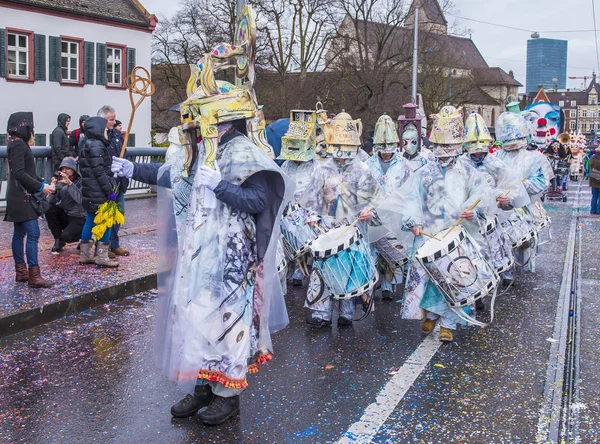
point(595, 200)
point(86, 234)
point(31, 229)
point(114, 235)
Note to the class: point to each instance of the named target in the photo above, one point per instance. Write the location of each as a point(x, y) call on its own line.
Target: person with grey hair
point(116, 143)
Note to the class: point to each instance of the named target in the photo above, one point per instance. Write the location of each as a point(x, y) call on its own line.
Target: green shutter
point(88, 71)
point(54, 59)
point(39, 45)
point(2, 53)
point(40, 140)
point(131, 64)
point(100, 64)
point(131, 141)
point(2, 140)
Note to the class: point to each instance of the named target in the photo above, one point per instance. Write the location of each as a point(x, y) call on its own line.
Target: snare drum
point(496, 248)
point(457, 268)
point(390, 249)
point(540, 217)
point(518, 229)
point(296, 232)
point(345, 264)
point(280, 259)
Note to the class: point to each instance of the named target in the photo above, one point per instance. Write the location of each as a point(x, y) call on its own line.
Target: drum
point(390, 249)
point(296, 232)
point(345, 264)
point(457, 268)
point(280, 260)
point(519, 230)
point(496, 246)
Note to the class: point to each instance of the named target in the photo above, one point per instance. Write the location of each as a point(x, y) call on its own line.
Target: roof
point(462, 51)
point(580, 97)
point(129, 12)
point(433, 11)
point(494, 76)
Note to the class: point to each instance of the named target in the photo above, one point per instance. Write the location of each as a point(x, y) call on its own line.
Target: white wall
point(48, 99)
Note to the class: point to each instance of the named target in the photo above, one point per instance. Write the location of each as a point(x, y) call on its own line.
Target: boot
point(102, 259)
point(189, 405)
point(446, 335)
point(36, 280)
point(315, 321)
point(387, 295)
point(22, 273)
point(220, 410)
point(58, 246)
point(86, 253)
point(428, 325)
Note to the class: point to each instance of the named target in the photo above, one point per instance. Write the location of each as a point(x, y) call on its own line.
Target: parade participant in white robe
point(342, 191)
point(432, 200)
point(391, 171)
point(512, 131)
point(415, 156)
point(301, 164)
point(507, 189)
point(219, 213)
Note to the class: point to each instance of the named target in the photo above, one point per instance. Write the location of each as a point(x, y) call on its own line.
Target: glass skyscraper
point(546, 60)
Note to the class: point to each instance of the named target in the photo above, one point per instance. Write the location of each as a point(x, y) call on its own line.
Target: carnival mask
point(410, 142)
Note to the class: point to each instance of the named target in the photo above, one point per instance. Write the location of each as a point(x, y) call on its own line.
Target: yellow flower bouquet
point(108, 214)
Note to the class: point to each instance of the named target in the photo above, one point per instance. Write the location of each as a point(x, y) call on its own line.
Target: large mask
point(385, 139)
point(342, 135)
point(511, 131)
point(477, 135)
point(546, 120)
point(299, 142)
point(447, 132)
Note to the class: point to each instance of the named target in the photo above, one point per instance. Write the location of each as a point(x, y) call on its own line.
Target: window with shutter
point(131, 141)
point(2, 139)
point(19, 55)
point(101, 64)
point(54, 59)
point(71, 61)
point(88, 73)
point(131, 62)
point(40, 140)
point(40, 56)
point(2, 53)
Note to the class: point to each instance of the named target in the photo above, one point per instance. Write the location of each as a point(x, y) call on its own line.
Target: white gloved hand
point(208, 177)
point(122, 167)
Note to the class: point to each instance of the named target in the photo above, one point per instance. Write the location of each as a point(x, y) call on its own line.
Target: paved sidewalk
point(77, 287)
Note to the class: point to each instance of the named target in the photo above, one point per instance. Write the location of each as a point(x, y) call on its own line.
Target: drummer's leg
point(297, 276)
point(320, 311)
point(346, 307)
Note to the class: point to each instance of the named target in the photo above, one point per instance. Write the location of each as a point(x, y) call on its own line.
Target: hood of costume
point(477, 135)
point(385, 138)
point(447, 132)
point(512, 131)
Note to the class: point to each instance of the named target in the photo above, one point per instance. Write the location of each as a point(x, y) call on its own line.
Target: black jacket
point(75, 136)
point(22, 169)
point(59, 142)
point(69, 198)
point(94, 164)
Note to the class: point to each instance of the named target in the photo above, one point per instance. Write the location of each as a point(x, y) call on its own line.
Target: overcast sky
point(504, 47)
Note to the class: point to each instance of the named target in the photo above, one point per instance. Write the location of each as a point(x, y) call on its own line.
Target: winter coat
point(94, 164)
point(22, 169)
point(59, 142)
point(114, 149)
point(595, 165)
point(69, 198)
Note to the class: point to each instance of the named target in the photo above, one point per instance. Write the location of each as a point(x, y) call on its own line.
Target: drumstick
point(428, 235)
point(471, 208)
point(371, 208)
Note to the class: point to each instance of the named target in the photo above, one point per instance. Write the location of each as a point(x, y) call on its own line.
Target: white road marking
point(376, 414)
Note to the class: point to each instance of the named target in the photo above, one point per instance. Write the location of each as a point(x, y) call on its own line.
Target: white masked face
point(410, 142)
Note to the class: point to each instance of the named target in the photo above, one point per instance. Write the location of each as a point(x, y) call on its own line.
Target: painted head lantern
point(385, 139)
point(511, 130)
point(212, 102)
point(477, 135)
point(447, 132)
point(300, 140)
point(546, 120)
point(342, 135)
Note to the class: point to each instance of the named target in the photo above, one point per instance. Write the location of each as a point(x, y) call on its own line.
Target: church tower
point(431, 17)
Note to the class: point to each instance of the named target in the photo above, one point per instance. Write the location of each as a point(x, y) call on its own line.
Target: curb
point(27, 319)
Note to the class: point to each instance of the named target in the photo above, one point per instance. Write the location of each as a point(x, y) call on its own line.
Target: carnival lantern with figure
point(409, 126)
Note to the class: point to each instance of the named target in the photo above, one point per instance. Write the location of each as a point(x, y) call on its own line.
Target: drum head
point(434, 249)
point(328, 243)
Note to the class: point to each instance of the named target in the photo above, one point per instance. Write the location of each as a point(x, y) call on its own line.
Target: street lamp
point(555, 81)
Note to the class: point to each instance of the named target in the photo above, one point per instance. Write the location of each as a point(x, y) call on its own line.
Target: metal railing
point(43, 166)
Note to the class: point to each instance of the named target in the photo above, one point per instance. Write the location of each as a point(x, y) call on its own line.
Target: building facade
point(72, 57)
point(546, 64)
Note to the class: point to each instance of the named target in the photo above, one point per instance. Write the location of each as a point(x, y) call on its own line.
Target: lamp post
point(555, 81)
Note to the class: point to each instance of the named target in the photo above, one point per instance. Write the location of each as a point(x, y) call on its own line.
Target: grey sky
point(504, 47)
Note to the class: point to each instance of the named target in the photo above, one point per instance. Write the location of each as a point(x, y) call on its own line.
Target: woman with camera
point(23, 199)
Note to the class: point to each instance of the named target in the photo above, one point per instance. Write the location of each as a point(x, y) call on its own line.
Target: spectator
point(97, 188)
point(66, 215)
point(59, 141)
point(119, 126)
point(594, 168)
point(75, 136)
point(116, 143)
point(23, 183)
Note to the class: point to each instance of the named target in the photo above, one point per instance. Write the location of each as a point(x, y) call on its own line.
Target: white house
point(64, 56)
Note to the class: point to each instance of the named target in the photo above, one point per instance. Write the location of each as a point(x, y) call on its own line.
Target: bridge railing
point(43, 165)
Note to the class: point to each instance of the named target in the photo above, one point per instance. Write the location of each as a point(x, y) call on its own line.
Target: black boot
point(58, 246)
point(479, 305)
point(189, 405)
point(387, 295)
point(220, 410)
